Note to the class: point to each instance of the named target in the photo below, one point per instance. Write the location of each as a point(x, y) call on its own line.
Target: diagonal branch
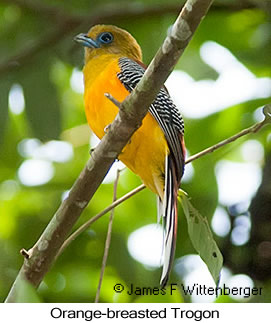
point(253, 129)
point(129, 119)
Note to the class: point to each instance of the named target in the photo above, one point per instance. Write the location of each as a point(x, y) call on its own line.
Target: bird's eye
point(105, 38)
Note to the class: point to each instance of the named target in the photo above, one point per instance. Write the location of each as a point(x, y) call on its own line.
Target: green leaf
point(202, 238)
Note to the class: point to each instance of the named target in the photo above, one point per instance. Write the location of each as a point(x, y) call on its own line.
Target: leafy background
point(39, 59)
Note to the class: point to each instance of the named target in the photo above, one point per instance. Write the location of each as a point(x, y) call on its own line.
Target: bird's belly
point(145, 152)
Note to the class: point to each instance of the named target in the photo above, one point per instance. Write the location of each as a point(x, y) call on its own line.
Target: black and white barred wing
point(170, 121)
point(162, 109)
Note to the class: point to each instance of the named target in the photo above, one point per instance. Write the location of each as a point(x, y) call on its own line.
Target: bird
point(156, 151)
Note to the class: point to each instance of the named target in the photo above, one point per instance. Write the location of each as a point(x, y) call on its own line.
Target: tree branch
point(129, 118)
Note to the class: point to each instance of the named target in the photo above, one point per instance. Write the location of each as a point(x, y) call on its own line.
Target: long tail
point(170, 217)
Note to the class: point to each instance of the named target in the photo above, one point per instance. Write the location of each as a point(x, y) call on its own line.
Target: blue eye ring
point(105, 38)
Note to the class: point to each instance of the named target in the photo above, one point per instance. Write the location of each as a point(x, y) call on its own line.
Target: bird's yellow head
point(108, 39)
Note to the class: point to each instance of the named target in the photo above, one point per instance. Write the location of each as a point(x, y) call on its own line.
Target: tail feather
point(169, 219)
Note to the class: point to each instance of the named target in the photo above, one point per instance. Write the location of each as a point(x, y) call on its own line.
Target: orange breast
point(145, 153)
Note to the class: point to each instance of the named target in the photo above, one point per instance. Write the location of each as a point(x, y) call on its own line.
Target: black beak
point(86, 41)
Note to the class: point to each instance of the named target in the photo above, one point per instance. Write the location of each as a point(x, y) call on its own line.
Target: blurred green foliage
point(38, 53)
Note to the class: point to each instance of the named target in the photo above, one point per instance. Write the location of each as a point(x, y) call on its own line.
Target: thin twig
point(113, 100)
point(24, 253)
point(87, 224)
point(253, 129)
point(108, 239)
